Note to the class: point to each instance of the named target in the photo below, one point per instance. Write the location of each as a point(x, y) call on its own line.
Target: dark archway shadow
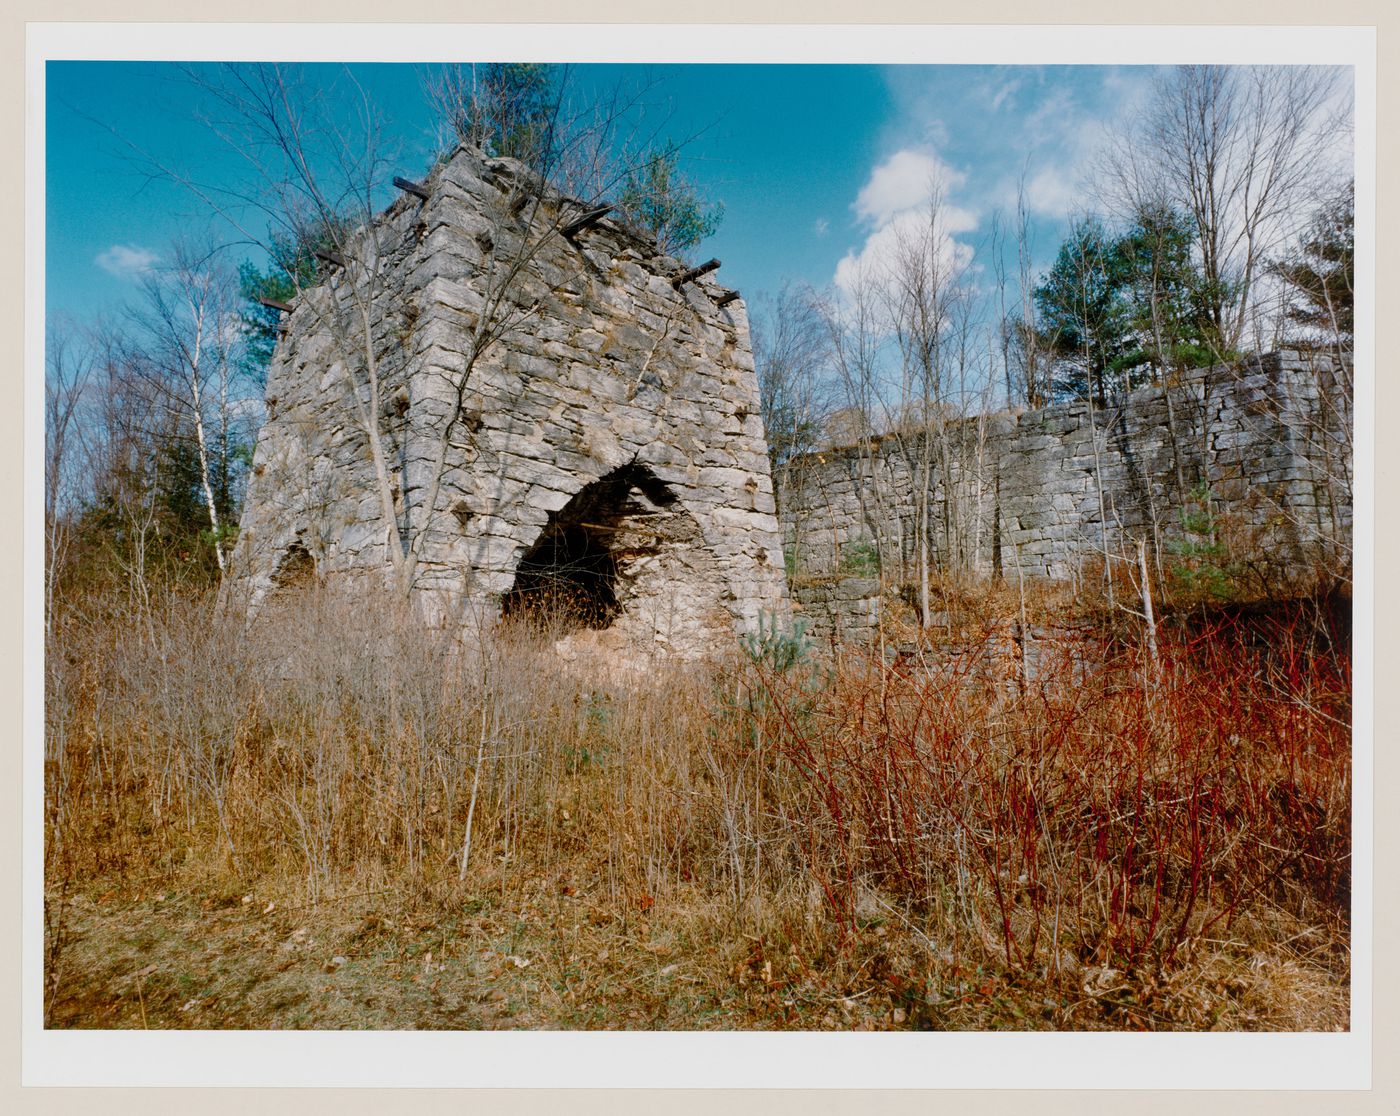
point(569, 578)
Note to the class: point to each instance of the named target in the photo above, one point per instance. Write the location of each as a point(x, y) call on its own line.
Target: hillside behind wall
point(1259, 452)
point(619, 419)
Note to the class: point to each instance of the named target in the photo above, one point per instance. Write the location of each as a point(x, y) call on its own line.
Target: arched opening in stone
point(566, 580)
point(576, 575)
point(295, 571)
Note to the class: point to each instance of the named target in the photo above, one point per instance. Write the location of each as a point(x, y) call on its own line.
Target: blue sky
point(811, 161)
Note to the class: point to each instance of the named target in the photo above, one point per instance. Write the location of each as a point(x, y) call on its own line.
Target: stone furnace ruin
point(515, 403)
point(509, 403)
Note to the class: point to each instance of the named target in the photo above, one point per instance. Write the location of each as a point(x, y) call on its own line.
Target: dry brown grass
point(826, 846)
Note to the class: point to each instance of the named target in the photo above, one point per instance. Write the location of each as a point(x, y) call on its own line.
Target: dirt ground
point(544, 956)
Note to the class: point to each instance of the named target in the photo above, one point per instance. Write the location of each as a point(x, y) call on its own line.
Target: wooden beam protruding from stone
point(330, 257)
point(592, 217)
point(273, 304)
point(413, 188)
point(726, 298)
point(694, 273)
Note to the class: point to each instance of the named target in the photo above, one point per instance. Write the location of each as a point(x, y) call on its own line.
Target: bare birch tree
point(186, 347)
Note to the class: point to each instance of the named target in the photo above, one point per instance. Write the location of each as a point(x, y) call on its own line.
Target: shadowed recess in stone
point(569, 578)
point(296, 570)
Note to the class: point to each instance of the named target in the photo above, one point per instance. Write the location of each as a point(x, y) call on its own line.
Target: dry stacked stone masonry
point(607, 451)
point(1240, 471)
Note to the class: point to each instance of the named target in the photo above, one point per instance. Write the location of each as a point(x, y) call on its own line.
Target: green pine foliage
point(1117, 312)
point(292, 268)
point(1085, 318)
point(1169, 303)
point(510, 110)
point(665, 205)
point(1320, 275)
point(1201, 567)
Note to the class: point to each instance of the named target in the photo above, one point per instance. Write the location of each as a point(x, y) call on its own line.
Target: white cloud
point(1065, 138)
point(821, 227)
point(896, 205)
point(1051, 193)
point(126, 261)
point(906, 180)
point(908, 231)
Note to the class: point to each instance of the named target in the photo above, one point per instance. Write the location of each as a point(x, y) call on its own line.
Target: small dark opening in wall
point(296, 571)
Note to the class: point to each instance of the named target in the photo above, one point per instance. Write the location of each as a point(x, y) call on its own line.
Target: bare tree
point(1238, 148)
point(791, 354)
point(1001, 343)
point(1137, 192)
point(1023, 341)
point(1316, 275)
point(856, 330)
point(971, 393)
point(186, 345)
point(67, 372)
point(922, 289)
point(123, 427)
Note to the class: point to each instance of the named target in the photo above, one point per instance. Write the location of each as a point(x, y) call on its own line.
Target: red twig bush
point(1116, 808)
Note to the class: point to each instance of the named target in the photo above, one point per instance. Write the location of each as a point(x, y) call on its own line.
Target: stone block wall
point(839, 610)
point(1253, 459)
